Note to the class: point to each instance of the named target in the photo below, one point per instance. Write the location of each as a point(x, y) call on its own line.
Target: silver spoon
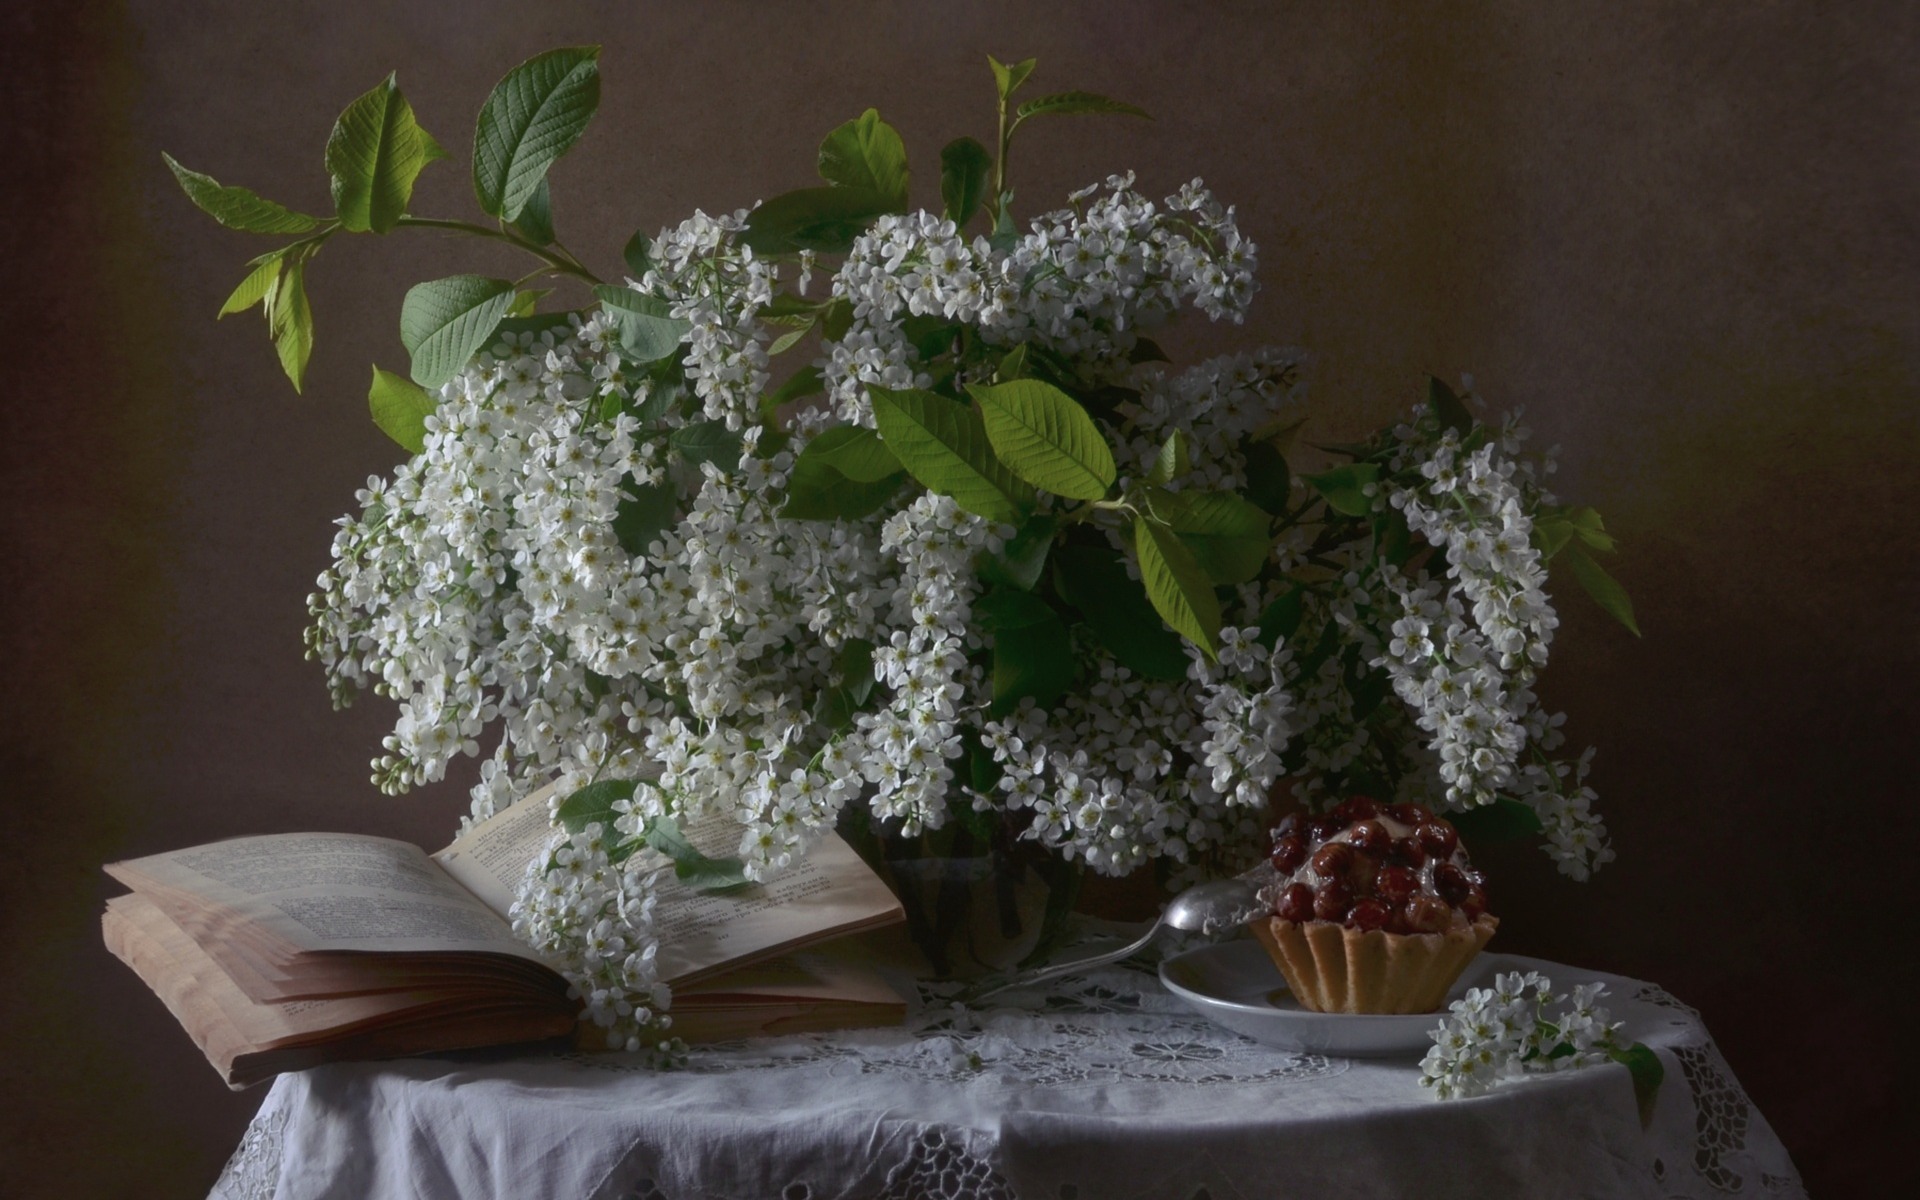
point(1207, 908)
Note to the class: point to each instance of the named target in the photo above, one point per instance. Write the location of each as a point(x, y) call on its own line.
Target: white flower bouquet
point(979, 560)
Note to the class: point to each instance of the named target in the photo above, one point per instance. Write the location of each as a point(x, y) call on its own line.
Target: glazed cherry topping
point(1296, 904)
point(1424, 914)
point(1348, 867)
point(1333, 859)
point(1395, 885)
point(1369, 914)
point(1333, 900)
point(1288, 854)
point(1438, 838)
point(1370, 837)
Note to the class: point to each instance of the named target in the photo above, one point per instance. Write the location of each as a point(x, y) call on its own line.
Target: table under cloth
point(1101, 1086)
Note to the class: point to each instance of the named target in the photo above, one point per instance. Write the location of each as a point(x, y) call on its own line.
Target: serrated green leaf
point(1064, 103)
point(964, 164)
point(1589, 528)
point(1022, 560)
point(1007, 79)
point(836, 319)
point(254, 288)
point(707, 442)
point(638, 254)
point(290, 321)
point(825, 219)
point(1229, 536)
point(789, 340)
point(1605, 590)
point(374, 154)
point(526, 300)
point(1551, 533)
point(533, 116)
point(646, 511)
point(817, 492)
point(854, 451)
point(535, 222)
point(444, 322)
point(1175, 583)
point(594, 803)
point(1644, 1066)
point(1032, 651)
point(1447, 407)
point(1504, 820)
point(1046, 438)
point(1269, 481)
point(400, 407)
point(690, 866)
point(1173, 460)
point(944, 445)
point(866, 154)
point(1095, 581)
point(237, 207)
point(1345, 488)
point(1281, 619)
point(807, 381)
point(649, 331)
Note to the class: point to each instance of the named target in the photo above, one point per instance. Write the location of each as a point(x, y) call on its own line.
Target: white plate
point(1236, 984)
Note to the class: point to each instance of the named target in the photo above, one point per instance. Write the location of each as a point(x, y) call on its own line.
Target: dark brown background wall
point(1683, 235)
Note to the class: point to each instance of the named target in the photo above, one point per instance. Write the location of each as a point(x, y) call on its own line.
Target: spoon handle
point(1067, 968)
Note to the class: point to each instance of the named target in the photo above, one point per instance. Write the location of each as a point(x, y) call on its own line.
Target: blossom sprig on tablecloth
point(979, 566)
point(1520, 1026)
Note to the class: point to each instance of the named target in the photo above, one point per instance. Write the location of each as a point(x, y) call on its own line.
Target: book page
point(330, 891)
point(826, 892)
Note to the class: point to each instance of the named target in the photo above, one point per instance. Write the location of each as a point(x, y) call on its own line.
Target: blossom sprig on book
point(981, 562)
point(1520, 1026)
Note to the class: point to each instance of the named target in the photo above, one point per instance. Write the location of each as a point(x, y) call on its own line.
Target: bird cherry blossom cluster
point(1517, 1026)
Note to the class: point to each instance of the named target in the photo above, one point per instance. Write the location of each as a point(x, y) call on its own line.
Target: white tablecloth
point(1103, 1087)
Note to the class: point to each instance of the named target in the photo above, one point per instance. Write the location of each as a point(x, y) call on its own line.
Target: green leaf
point(943, 444)
point(1095, 581)
point(1004, 235)
point(1344, 488)
point(807, 381)
point(824, 219)
point(237, 207)
point(1146, 350)
point(1063, 103)
point(854, 451)
point(1392, 537)
point(1644, 1066)
point(707, 442)
point(1551, 533)
point(1008, 79)
point(290, 321)
point(1605, 590)
point(400, 408)
point(254, 288)
point(836, 320)
point(1175, 583)
point(638, 254)
point(646, 511)
point(788, 340)
point(1046, 438)
point(535, 221)
point(1447, 408)
point(817, 492)
point(690, 866)
point(1588, 526)
point(1269, 482)
point(1013, 365)
point(964, 163)
point(1502, 821)
point(374, 154)
point(648, 329)
point(1230, 537)
point(538, 322)
point(1021, 561)
point(592, 803)
point(1032, 651)
point(445, 321)
point(834, 706)
point(1281, 619)
point(533, 116)
point(1172, 462)
point(866, 154)
point(526, 300)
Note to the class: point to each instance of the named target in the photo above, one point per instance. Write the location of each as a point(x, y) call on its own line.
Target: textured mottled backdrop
point(1684, 236)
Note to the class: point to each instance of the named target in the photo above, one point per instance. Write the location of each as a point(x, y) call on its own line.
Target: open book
point(277, 953)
